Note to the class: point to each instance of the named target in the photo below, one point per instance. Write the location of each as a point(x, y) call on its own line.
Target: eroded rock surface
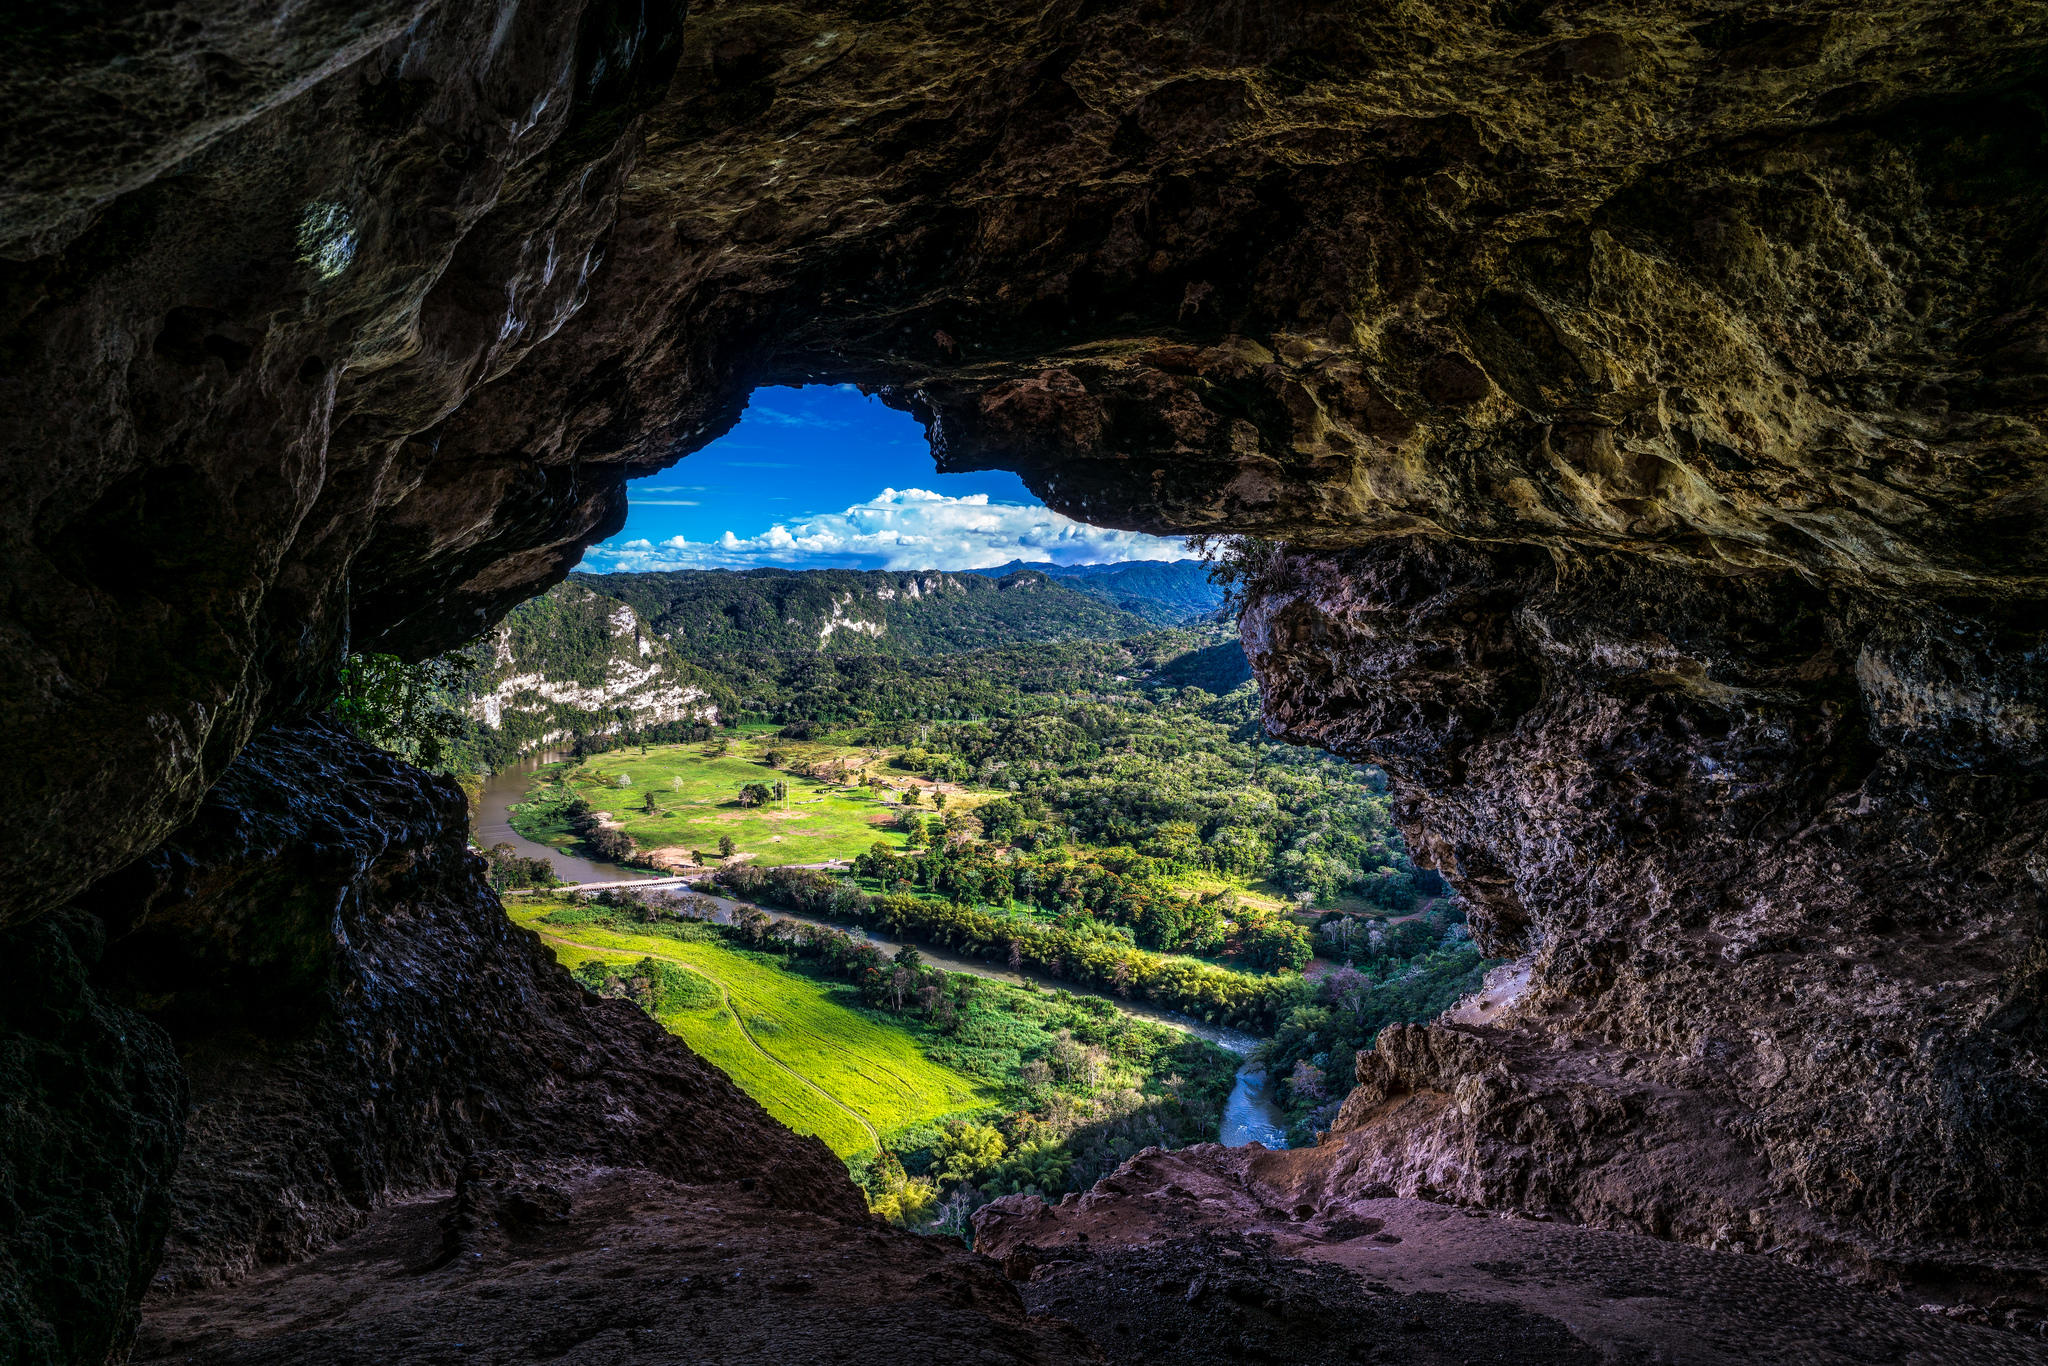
point(358, 1018)
point(1695, 359)
point(1776, 854)
point(566, 1263)
point(356, 1021)
point(1219, 1254)
point(91, 1125)
point(1754, 289)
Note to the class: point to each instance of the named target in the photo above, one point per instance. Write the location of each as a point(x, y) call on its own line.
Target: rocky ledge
point(1222, 1255)
point(316, 967)
point(1773, 856)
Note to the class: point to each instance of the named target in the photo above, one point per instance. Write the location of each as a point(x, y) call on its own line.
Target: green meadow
point(696, 793)
point(816, 1065)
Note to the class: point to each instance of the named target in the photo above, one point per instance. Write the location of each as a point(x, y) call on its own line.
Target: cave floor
point(603, 1264)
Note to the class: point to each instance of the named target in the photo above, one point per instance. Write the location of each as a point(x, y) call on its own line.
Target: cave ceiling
point(353, 330)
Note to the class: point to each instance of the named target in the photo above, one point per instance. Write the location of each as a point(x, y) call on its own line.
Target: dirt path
point(737, 1018)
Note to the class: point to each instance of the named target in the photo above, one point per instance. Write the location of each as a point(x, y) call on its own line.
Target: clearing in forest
point(697, 790)
point(817, 1066)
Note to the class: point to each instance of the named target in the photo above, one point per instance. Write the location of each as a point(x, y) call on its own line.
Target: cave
point(1634, 419)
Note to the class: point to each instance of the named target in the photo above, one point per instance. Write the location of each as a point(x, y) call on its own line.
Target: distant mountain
point(1164, 592)
point(710, 614)
point(605, 652)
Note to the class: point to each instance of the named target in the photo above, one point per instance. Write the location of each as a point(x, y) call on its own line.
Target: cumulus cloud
point(901, 529)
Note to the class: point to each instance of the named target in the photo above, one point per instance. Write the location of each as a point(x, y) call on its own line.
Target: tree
point(615, 846)
point(938, 799)
point(774, 758)
point(910, 796)
point(650, 804)
point(756, 794)
point(725, 846)
point(966, 1150)
point(1306, 1081)
point(412, 710)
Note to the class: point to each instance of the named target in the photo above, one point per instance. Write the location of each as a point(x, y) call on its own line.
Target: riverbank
point(507, 788)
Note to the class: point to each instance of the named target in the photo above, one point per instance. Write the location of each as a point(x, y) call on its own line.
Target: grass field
point(696, 792)
point(816, 1065)
point(1265, 895)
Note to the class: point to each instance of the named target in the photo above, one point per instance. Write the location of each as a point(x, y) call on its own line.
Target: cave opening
point(1634, 427)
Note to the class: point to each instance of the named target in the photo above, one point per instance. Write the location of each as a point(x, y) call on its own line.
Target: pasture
point(813, 1063)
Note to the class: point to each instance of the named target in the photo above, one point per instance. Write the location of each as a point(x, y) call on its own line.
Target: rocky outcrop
point(358, 1018)
point(578, 663)
point(1776, 853)
point(357, 1022)
point(1222, 1255)
point(227, 327)
point(559, 1262)
point(90, 1132)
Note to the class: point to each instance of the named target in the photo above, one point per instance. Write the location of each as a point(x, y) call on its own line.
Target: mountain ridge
point(1164, 592)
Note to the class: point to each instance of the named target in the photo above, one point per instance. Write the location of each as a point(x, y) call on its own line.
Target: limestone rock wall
point(1777, 856)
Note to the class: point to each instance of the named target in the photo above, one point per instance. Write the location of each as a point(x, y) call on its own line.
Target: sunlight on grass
point(847, 1068)
point(696, 792)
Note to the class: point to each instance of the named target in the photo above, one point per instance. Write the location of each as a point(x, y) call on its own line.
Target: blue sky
point(825, 478)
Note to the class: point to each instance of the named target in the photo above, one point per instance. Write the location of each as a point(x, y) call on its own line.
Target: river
point(504, 790)
point(1249, 1115)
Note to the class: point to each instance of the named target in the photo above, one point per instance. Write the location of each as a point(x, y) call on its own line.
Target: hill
point(1164, 592)
point(712, 614)
point(606, 652)
point(576, 662)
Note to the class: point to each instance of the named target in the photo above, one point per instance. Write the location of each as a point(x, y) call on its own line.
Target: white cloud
point(775, 417)
point(902, 529)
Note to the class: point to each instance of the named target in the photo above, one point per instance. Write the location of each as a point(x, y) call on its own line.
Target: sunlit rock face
point(1650, 401)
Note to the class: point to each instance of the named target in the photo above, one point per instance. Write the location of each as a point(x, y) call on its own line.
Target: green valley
point(818, 1065)
point(1072, 787)
point(934, 1086)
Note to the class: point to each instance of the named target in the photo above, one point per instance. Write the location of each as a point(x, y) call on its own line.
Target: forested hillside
point(1143, 741)
point(1164, 592)
point(574, 662)
point(709, 614)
